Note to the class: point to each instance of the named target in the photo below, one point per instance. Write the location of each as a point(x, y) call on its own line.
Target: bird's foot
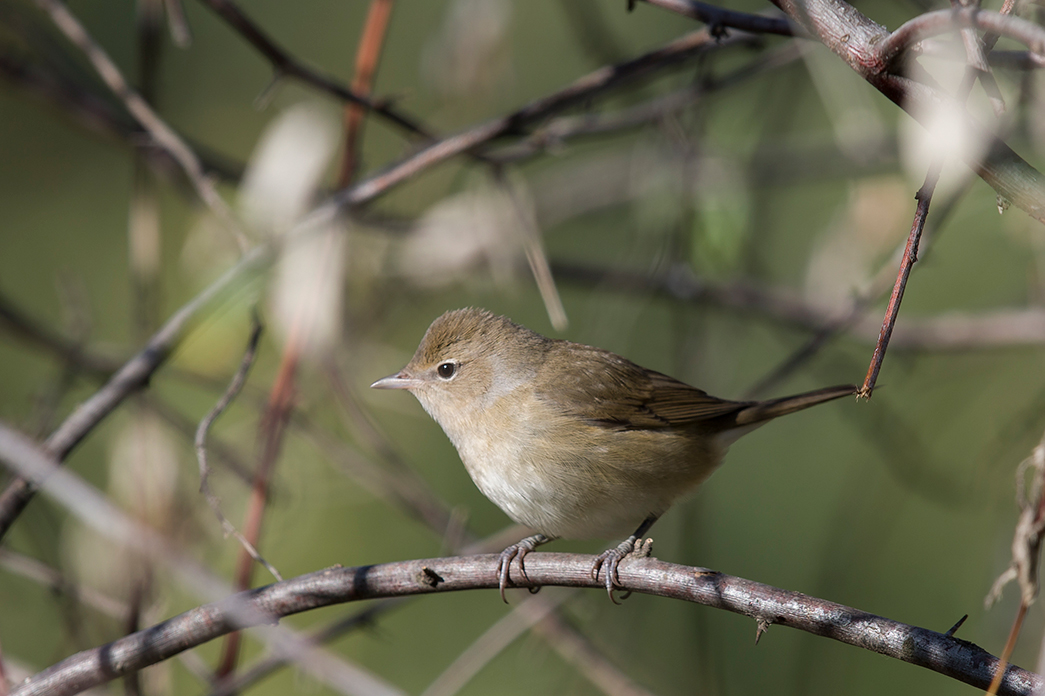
point(610, 559)
point(517, 550)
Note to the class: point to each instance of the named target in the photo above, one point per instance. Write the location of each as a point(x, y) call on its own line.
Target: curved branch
point(858, 41)
point(934, 23)
point(767, 605)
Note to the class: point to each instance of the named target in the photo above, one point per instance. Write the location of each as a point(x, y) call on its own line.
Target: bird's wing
point(605, 389)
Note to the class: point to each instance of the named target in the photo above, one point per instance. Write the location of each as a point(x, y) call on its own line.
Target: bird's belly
point(578, 495)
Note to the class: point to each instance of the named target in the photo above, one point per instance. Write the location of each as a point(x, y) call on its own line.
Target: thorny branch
point(947, 655)
point(910, 255)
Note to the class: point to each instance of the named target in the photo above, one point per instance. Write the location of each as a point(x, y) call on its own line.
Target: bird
point(570, 440)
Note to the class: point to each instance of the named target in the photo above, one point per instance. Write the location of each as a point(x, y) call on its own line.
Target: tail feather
point(763, 411)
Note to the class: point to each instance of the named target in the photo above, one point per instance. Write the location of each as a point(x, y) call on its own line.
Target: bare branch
point(157, 128)
point(132, 376)
point(718, 18)
point(200, 442)
point(930, 24)
point(284, 64)
point(910, 255)
point(587, 87)
point(947, 655)
point(367, 56)
point(869, 48)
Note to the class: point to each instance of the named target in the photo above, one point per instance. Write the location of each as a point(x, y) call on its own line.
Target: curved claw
point(517, 550)
point(610, 561)
point(502, 570)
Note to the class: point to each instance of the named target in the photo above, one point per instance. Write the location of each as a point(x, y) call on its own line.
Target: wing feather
point(605, 389)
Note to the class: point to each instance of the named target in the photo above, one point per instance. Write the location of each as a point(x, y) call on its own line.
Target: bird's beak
point(400, 380)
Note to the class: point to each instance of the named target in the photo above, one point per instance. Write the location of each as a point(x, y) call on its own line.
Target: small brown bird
point(569, 440)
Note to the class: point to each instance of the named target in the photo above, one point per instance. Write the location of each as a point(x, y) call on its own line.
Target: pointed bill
point(400, 380)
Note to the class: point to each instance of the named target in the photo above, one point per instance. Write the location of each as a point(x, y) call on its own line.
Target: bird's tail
point(763, 411)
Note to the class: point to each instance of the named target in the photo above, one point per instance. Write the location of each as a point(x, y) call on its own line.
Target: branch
point(939, 652)
point(951, 332)
point(933, 23)
point(859, 42)
point(718, 18)
point(368, 54)
point(128, 379)
point(910, 255)
point(284, 64)
point(158, 130)
point(580, 90)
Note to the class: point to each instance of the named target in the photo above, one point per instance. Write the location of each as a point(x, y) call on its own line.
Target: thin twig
point(557, 132)
point(1026, 549)
point(93, 508)
point(924, 197)
point(536, 257)
point(891, 49)
point(1006, 653)
point(977, 66)
point(134, 374)
point(583, 89)
point(718, 18)
point(157, 128)
point(367, 56)
point(238, 380)
point(284, 64)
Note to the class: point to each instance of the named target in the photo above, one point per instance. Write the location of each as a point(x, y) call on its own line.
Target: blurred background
point(708, 219)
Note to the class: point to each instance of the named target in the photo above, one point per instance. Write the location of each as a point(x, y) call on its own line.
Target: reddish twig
point(1006, 653)
point(285, 65)
point(367, 56)
point(910, 255)
point(977, 67)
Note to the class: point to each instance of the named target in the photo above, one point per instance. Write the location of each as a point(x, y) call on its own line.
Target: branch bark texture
point(873, 52)
point(768, 605)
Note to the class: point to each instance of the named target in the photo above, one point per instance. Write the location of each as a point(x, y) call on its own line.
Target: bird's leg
point(518, 550)
point(611, 558)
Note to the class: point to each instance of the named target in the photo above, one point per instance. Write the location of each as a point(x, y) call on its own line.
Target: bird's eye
point(446, 370)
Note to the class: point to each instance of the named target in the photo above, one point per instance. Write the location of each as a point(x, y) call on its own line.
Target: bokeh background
point(781, 171)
